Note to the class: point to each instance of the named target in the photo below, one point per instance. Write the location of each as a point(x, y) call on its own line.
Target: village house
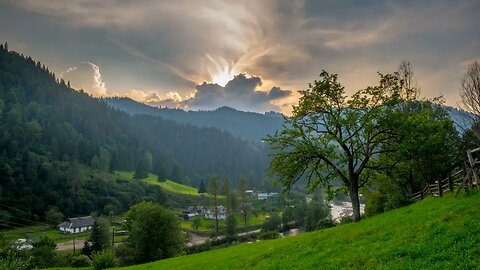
point(221, 213)
point(193, 211)
point(262, 196)
point(77, 225)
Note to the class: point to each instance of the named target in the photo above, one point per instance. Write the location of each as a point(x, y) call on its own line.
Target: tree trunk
point(355, 201)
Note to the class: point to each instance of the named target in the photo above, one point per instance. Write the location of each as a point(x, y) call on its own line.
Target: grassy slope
point(432, 234)
point(167, 185)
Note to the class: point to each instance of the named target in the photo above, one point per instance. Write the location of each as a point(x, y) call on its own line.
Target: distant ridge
point(247, 125)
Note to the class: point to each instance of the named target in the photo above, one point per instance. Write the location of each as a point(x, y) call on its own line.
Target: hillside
point(247, 125)
point(437, 233)
point(58, 145)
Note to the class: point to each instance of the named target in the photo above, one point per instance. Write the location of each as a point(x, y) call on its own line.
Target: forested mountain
point(247, 125)
point(55, 142)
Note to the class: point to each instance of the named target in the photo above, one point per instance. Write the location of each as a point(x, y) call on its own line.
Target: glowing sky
point(162, 52)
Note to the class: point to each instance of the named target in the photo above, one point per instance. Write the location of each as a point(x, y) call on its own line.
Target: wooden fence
point(467, 177)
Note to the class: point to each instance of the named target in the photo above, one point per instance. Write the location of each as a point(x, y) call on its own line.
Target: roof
point(194, 209)
point(78, 222)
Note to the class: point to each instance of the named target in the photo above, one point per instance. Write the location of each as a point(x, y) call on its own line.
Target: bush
point(80, 261)
point(14, 263)
point(273, 223)
point(104, 259)
point(344, 219)
point(268, 235)
point(43, 253)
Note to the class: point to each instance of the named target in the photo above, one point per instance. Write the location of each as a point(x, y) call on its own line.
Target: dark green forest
point(58, 145)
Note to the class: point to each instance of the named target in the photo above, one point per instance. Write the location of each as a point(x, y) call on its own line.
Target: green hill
point(166, 185)
point(437, 233)
point(432, 234)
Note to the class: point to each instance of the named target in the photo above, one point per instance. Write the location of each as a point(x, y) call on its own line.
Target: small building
point(262, 196)
point(193, 211)
point(77, 225)
point(221, 213)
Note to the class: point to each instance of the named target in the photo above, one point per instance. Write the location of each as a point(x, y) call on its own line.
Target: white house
point(77, 225)
point(262, 196)
point(193, 211)
point(221, 213)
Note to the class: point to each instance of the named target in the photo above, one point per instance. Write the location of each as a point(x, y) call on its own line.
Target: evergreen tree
point(202, 188)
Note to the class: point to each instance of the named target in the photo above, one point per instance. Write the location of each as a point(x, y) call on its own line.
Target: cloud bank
point(242, 92)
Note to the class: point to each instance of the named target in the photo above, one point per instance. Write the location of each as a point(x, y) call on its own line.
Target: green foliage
point(202, 188)
point(14, 263)
point(318, 216)
point(80, 261)
point(425, 149)
point(231, 226)
point(273, 223)
point(100, 237)
point(213, 190)
point(104, 259)
point(54, 216)
point(154, 233)
point(43, 252)
point(386, 196)
point(332, 137)
point(196, 223)
point(267, 235)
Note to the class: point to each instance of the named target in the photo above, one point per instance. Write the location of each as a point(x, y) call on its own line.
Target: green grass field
point(167, 185)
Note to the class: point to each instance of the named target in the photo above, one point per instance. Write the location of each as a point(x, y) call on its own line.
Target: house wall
point(75, 230)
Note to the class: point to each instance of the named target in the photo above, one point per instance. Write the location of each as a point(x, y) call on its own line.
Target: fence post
point(450, 182)
point(440, 190)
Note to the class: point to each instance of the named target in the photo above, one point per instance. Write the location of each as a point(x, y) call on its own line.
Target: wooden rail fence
point(467, 177)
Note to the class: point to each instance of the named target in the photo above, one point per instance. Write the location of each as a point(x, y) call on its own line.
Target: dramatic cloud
point(241, 92)
point(171, 99)
point(86, 77)
point(174, 45)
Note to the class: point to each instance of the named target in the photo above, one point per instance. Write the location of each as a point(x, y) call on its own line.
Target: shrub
point(80, 261)
point(273, 223)
point(104, 259)
point(14, 263)
point(268, 235)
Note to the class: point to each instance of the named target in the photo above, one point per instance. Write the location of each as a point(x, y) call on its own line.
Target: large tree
point(332, 138)
point(154, 233)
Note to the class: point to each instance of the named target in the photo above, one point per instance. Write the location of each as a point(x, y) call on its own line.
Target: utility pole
point(73, 237)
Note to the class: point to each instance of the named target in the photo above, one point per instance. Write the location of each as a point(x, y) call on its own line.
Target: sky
point(250, 55)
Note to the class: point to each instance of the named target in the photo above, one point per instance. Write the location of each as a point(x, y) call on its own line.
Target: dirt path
point(69, 245)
